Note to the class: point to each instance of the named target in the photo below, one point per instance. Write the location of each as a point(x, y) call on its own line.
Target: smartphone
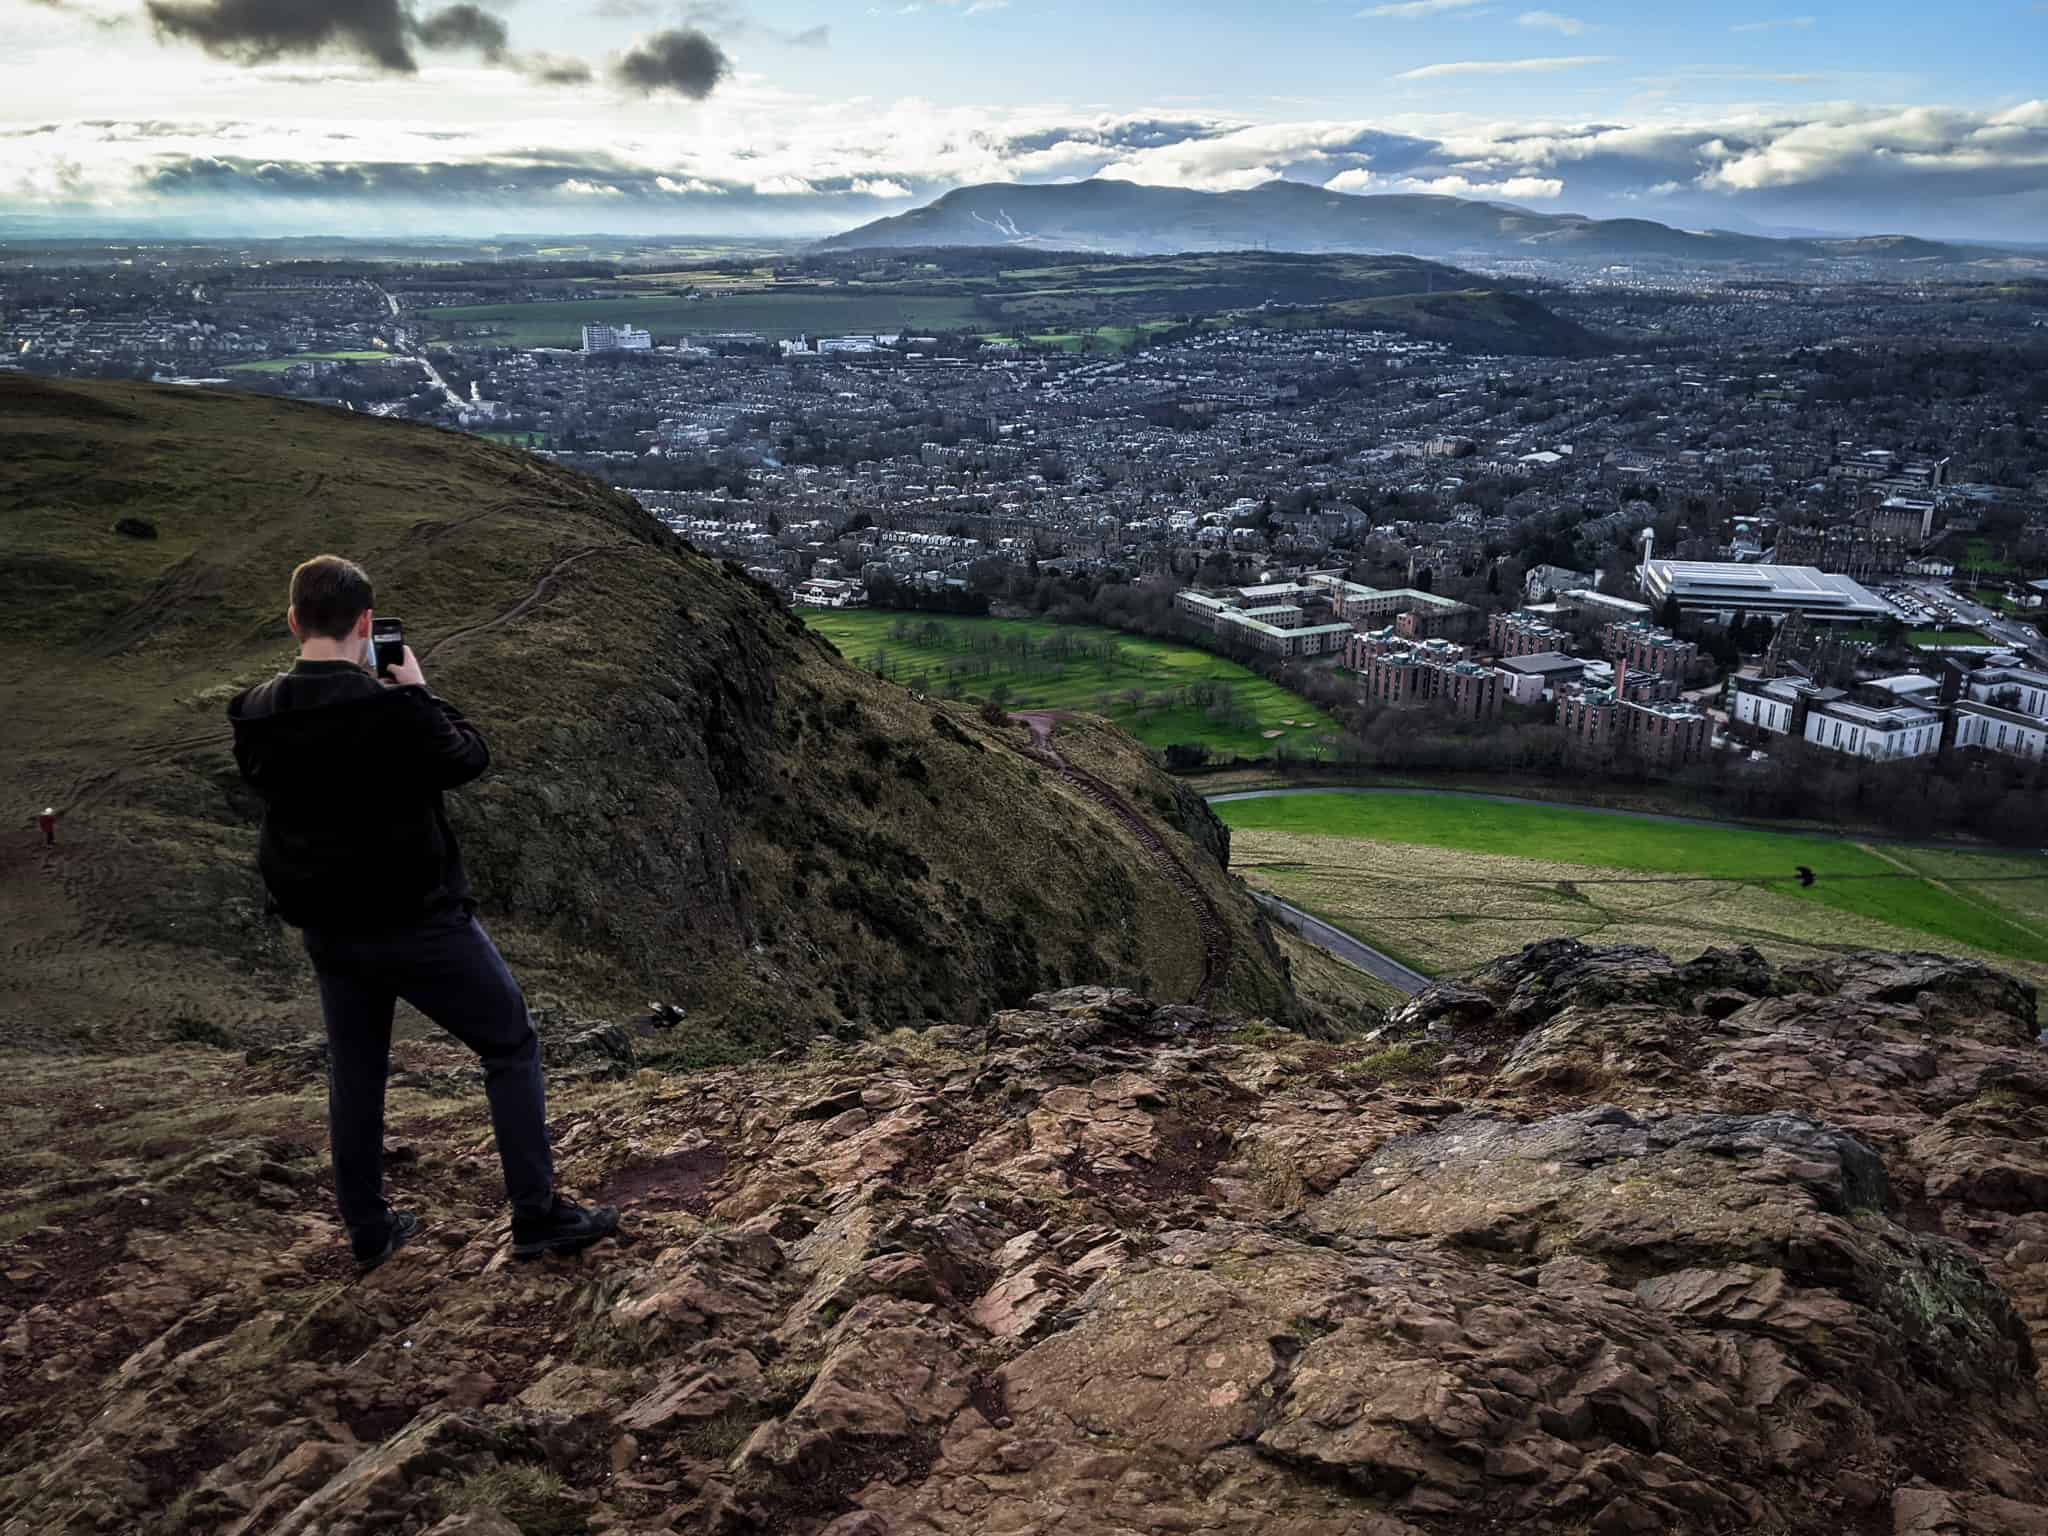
point(387, 636)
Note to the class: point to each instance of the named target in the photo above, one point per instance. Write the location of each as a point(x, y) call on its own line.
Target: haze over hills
point(1128, 218)
point(693, 799)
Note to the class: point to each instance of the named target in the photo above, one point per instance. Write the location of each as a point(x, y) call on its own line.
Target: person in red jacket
point(357, 851)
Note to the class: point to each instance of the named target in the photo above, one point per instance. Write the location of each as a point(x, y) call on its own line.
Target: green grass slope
point(1160, 692)
point(692, 797)
point(1989, 903)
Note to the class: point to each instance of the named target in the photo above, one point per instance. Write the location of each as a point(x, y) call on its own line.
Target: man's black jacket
point(351, 774)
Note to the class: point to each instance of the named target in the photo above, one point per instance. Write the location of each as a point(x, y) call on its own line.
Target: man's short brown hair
point(328, 595)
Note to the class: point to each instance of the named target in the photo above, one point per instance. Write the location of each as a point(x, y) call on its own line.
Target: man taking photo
point(357, 851)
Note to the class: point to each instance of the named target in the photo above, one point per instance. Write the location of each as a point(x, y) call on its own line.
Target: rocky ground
point(1589, 1241)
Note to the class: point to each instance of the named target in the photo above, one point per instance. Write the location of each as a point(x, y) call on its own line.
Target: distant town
point(1772, 513)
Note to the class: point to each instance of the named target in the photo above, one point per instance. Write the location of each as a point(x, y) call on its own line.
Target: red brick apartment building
point(1524, 634)
point(1465, 688)
point(1646, 648)
point(1600, 722)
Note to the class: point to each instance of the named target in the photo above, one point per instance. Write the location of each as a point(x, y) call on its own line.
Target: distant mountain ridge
point(1130, 219)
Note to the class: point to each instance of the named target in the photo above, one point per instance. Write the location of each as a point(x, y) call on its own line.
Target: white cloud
point(768, 160)
point(1515, 188)
point(1519, 188)
point(689, 186)
point(1239, 158)
point(1886, 145)
point(1504, 66)
point(1412, 10)
point(1551, 21)
point(1778, 24)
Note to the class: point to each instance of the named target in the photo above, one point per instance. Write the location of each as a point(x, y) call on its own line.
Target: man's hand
point(407, 671)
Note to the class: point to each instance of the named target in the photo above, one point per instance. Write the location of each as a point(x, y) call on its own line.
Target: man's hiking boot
point(399, 1227)
point(568, 1228)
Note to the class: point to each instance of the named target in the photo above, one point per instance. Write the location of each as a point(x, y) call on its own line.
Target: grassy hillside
point(692, 798)
point(1160, 692)
point(1444, 882)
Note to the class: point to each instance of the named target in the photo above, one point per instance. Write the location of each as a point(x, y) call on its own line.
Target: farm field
point(559, 323)
point(1443, 883)
point(279, 364)
point(1160, 692)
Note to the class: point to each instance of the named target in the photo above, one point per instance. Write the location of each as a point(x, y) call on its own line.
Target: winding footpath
point(94, 786)
point(1215, 934)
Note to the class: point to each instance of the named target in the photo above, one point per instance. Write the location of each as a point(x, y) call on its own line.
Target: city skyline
point(371, 117)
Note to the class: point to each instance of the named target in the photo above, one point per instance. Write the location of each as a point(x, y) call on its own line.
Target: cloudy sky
point(434, 117)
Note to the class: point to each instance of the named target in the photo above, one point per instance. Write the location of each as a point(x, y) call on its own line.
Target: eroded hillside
point(1589, 1241)
point(692, 799)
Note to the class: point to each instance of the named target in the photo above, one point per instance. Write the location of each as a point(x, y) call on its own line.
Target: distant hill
point(1032, 292)
point(692, 798)
point(1123, 217)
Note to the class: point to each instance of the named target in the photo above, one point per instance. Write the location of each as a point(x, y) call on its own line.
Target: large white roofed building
point(1712, 586)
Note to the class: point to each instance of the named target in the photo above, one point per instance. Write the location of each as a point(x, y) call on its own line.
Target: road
point(418, 354)
point(440, 383)
point(1339, 943)
point(2005, 631)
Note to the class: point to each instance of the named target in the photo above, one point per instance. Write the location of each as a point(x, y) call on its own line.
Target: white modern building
point(1724, 589)
point(1766, 704)
point(821, 592)
point(616, 338)
point(1991, 729)
point(1860, 730)
point(2020, 689)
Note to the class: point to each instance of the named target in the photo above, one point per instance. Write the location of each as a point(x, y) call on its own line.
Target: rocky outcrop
point(1588, 1241)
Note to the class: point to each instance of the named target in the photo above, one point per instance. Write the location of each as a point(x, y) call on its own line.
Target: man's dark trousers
point(447, 967)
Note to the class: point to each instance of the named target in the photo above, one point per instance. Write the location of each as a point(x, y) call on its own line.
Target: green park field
point(1162, 693)
point(1930, 638)
point(559, 323)
point(1445, 882)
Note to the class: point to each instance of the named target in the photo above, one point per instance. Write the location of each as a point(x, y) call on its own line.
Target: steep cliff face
point(1588, 1241)
point(692, 800)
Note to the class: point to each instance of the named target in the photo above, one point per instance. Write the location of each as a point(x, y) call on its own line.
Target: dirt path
point(1215, 934)
point(90, 788)
point(540, 591)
